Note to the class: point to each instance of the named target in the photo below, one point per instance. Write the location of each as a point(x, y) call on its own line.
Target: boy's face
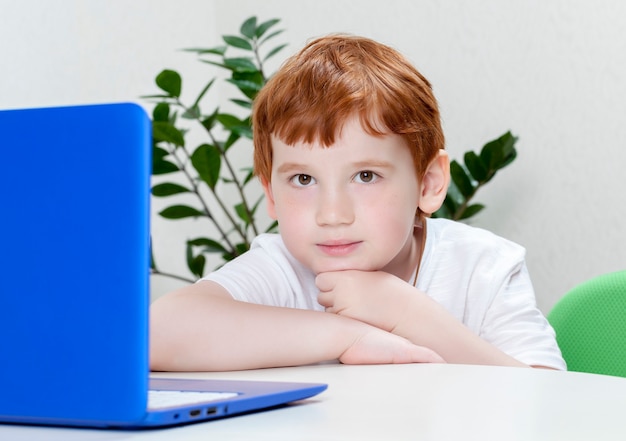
point(348, 206)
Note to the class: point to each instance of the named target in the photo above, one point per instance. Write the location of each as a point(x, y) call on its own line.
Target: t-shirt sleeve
point(514, 323)
point(482, 280)
point(268, 275)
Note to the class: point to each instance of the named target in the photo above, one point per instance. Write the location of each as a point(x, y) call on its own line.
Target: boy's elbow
point(180, 335)
point(159, 352)
point(168, 352)
point(160, 349)
point(163, 349)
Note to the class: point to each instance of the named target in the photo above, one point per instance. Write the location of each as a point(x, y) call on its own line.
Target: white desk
point(406, 402)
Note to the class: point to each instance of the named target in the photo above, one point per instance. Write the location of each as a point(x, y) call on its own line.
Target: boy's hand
point(380, 347)
point(373, 297)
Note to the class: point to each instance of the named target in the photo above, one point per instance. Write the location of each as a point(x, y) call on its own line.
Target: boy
point(350, 152)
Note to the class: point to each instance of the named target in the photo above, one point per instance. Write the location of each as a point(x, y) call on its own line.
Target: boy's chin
point(338, 268)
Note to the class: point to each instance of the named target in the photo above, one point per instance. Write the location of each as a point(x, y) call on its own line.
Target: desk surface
point(406, 402)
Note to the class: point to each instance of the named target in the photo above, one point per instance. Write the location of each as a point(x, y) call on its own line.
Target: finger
point(325, 281)
point(421, 354)
point(325, 299)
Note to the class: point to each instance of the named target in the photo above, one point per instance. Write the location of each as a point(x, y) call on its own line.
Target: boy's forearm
point(427, 323)
point(389, 303)
point(193, 331)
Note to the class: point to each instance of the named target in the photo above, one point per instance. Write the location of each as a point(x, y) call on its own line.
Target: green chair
point(590, 325)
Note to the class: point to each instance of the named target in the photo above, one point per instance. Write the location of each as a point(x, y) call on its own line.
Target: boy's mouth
point(338, 248)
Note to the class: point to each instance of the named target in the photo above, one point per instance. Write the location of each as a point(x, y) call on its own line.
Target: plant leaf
point(238, 42)
point(255, 207)
point(500, 152)
point(240, 248)
point(242, 130)
point(240, 64)
point(207, 161)
point(232, 139)
point(461, 180)
point(475, 166)
point(243, 214)
point(248, 88)
point(249, 176)
point(471, 211)
point(209, 245)
point(203, 92)
point(153, 265)
point(170, 82)
point(228, 120)
point(246, 104)
point(195, 263)
point(192, 113)
point(218, 50)
point(180, 212)
point(164, 131)
point(451, 205)
point(158, 153)
point(162, 167)
point(441, 213)
point(161, 112)
point(272, 35)
point(210, 120)
point(161, 97)
point(168, 189)
point(263, 27)
point(272, 227)
point(196, 266)
point(274, 51)
point(454, 194)
point(248, 27)
point(255, 77)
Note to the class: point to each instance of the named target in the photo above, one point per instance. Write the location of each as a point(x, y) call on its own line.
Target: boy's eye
point(302, 180)
point(365, 177)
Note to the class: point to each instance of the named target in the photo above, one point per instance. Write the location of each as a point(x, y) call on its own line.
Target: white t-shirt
point(480, 278)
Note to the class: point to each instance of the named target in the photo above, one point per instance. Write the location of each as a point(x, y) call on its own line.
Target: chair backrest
point(590, 325)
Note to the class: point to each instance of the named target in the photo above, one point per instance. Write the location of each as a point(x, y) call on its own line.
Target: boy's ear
point(434, 185)
point(269, 198)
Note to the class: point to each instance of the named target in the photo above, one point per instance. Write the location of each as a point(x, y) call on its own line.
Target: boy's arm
point(387, 302)
point(202, 328)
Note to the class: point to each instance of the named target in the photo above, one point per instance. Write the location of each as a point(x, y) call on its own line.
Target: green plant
point(477, 170)
point(204, 171)
point(205, 168)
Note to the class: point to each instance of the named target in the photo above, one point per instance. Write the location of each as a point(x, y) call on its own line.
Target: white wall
point(57, 52)
point(553, 72)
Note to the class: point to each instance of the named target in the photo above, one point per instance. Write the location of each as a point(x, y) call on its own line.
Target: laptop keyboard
point(160, 399)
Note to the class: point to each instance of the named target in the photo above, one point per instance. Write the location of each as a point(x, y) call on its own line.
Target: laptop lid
point(74, 269)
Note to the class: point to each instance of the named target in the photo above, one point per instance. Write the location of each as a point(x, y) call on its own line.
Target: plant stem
point(257, 56)
point(182, 167)
point(241, 194)
point(459, 212)
point(219, 200)
point(235, 180)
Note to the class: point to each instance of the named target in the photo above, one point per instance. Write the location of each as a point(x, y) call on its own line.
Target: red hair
point(334, 78)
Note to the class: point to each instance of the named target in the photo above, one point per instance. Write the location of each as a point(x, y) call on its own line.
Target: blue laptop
point(74, 279)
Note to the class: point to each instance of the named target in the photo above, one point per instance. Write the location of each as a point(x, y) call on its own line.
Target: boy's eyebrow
point(288, 167)
point(373, 163)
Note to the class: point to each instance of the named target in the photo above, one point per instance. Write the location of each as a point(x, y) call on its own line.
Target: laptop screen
point(74, 261)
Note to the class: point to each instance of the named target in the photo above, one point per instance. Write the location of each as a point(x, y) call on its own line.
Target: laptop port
point(194, 413)
point(211, 411)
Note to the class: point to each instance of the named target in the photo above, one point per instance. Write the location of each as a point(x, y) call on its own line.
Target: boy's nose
point(334, 208)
